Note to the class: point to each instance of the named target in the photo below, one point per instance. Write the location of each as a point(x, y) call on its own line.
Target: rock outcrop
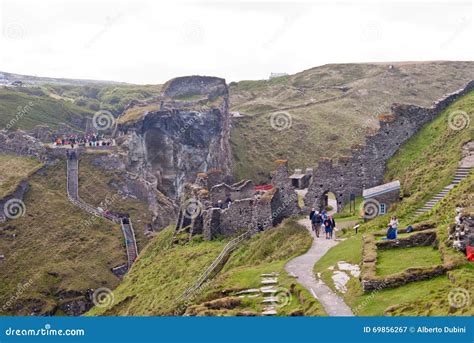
point(189, 134)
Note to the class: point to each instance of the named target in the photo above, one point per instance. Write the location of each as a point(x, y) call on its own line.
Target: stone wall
point(237, 191)
point(365, 167)
point(246, 213)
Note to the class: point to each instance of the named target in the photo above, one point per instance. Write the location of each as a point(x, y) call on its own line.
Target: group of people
point(91, 140)
point(322, 221)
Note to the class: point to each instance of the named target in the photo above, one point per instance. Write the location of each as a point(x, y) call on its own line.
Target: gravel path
point(302, 267)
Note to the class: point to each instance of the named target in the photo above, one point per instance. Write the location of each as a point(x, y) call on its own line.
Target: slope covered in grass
point(164, 271)
point(331, 108)
point(424, 164)
point(50, 250)
point(14, 169)
point(24, 108)
point(59, 250)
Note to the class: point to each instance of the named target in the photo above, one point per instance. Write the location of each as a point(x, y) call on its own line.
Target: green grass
point(26, 108)
point(424, 165)
point(13, 170)
point(50, 246)
point(164, 271)
point(427, 162)
point(349, 250)
point(391, 261)
point(330, 128)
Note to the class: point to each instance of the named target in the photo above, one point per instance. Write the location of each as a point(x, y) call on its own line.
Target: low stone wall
point(399, 279)
point(371, 282)
point(420, 239)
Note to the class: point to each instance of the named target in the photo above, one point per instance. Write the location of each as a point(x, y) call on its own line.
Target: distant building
point(273, 75)
point(385, 195)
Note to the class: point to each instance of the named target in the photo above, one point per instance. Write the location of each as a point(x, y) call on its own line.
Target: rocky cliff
point(188, 134)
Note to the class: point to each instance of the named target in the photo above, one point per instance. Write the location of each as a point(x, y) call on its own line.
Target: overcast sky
point(153, 41)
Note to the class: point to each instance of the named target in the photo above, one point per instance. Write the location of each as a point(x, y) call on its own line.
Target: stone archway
point(320, 200)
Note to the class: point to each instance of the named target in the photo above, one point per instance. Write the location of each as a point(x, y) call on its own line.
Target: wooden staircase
point(460, 174)
point(73, 196)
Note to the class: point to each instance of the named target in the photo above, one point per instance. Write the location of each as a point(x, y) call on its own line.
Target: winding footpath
point(302, 268)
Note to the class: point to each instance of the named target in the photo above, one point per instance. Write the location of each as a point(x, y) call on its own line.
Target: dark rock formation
point(169, 147)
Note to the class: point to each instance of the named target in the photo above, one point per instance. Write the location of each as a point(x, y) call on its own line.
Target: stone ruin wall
point(242, 190)
point(366, 166)
point(246, 211)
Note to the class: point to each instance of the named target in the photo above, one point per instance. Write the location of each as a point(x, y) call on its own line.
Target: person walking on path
point(333, 226)
point(327, 228)
point(316, 223)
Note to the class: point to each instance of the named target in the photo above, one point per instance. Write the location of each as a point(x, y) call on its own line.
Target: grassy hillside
point(14, 169)
point(59, 250)
point(51, 104)
point(164, 271)
point(331, 108)
point(424, 165)
point(24, 108)
point(113, 98)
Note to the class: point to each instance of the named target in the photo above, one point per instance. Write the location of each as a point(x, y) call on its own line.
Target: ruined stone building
point(220, 209)
point(365, 167)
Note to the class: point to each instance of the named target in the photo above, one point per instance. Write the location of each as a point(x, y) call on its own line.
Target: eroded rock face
point(185, 137)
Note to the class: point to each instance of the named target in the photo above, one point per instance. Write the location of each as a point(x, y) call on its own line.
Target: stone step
point(273, 274)
point(269, 313)
point(269, 281)
point(270, 300)
point(268, 290)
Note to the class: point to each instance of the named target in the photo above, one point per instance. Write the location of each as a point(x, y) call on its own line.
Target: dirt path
point(302, 267)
